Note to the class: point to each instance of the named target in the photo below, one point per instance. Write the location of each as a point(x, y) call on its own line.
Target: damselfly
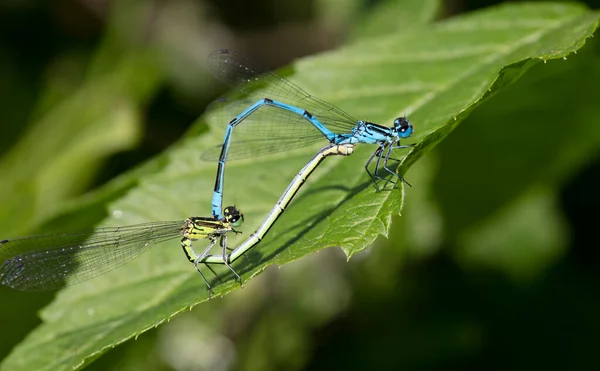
point(50, 261)
point(279, 208)
point(271, 114)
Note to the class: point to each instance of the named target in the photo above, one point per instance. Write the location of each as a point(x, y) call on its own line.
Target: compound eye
point(403, 127)
point(237, 220)
point(233, 216)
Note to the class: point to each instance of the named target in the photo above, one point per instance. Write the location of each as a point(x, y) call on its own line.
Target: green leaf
point(529, 139)
point(533, 221)
point(60, 151)
point(436, 76)
point(398, 16)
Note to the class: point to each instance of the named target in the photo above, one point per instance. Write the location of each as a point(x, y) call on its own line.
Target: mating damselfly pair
point(269, 114)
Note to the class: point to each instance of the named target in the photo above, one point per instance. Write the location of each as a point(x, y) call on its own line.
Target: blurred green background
point(493, 265)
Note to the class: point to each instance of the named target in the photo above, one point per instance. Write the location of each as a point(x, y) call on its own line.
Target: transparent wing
point(51, 261)
point(267, 130)
point(252, 83)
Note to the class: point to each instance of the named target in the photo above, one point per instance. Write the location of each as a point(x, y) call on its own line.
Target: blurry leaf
point(442, 73)
point(71, 135)
point(422, 223)
point(337, 13)
point(397, 16)
point(60, 152)
point(538, 129)
point(17, 96)
point(54, 158)
point(533, 135)
point(520, 240)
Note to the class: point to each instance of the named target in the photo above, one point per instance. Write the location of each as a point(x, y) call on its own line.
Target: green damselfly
point(331, 150)
point(50, 261)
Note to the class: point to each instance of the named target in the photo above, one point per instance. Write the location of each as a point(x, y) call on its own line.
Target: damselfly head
point(233, 216)
point(403, 127)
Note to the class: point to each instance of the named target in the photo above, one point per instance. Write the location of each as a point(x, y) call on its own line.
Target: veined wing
point(51, 261)
point(267, 130)
point(252, 82)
